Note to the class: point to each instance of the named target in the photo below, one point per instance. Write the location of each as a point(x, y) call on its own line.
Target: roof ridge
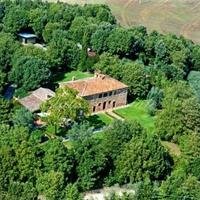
point(84, 89)
point(79, 80)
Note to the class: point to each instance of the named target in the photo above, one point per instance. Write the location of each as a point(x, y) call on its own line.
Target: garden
point(138, 111)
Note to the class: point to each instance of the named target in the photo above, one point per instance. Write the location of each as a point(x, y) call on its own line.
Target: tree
point(155, 97)
point(190, 149)
point(5, 111)
point(29, 51)
point(90, 158)
point(120, 42)
point(48, 31)
point(99, 38)
point(142, 158)
point(146, 190)
point(29, 73)
point(21, 191)
point(63, 53)
point(2, 81)
point(180, 186)
point(119, 134)
point(195, 58)
point(105, 15)
point(169, 122)
point(64, 106)
point(72, 193)
point(179, 112)
point(19, 162)
point(115, 139)
point(85, 44)
point(2, 11)
point(135, 77)
point(38, 19)
point(191, 114)
point(7, 49)
point(110, 65)
point(16, 19)
point(101, 13)
point(57, 158)
point(23, 117)
point(194, 81)
point(78, 27)
point(50, 185)
point(178, 91)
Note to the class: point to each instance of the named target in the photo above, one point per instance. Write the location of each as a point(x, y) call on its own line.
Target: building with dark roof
point(36, 98)
point(102, 92)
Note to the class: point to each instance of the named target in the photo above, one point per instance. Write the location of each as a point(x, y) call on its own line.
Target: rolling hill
point(175, 16)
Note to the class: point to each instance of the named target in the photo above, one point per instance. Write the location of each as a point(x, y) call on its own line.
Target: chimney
point(96, 74)
point(73, 78)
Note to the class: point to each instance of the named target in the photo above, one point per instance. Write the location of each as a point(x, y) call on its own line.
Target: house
point(26, 38)
point(36, 98)
point(101, 91)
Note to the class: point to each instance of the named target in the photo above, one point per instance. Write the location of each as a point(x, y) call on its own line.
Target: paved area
point(101, 194)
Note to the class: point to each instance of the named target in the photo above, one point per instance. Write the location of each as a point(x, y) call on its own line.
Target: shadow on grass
point(95, 121)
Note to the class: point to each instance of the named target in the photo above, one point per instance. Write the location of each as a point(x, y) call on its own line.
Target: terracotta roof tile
point(95, 85)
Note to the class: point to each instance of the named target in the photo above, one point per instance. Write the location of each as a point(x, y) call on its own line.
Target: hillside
point(175, 16)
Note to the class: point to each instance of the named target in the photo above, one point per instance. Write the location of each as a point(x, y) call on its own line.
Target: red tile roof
point(96, 85)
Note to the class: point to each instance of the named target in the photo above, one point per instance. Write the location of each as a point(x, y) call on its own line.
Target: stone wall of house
point(108, 100)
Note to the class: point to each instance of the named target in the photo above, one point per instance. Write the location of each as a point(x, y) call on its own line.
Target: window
point(115, 92)
point(114, 104)
point(109, 102)
point(100, 95)
point(105, 94)
point(99, 104)
point(94, 108)
point(104, 105)
point(110, 93)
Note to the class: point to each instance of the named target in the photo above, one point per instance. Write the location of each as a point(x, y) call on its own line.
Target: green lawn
point(105, 118)
point(99, 120)
point(63, 77)
point(138, 111)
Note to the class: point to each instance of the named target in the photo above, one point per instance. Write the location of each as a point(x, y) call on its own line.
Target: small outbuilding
point(27, 38)
point(36, 98)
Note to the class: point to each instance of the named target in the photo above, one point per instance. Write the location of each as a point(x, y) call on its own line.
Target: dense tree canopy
point(143, 158)
point(180, 112)
point(34, 162)
point(63, 53)
point(137, 79)
point(29, 73)
point(23, 117)
point(7, 48)
point(16, 19)
point(194, 80)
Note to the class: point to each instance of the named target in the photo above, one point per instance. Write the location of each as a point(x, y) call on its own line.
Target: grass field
point(105, 118)
point(138, 111)
point(100, 120)
point(175, 16)
point(63, 77)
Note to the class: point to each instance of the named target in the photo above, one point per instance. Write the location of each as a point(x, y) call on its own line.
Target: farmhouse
point(36, 98)
point(101, 91)
point(26, 38)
